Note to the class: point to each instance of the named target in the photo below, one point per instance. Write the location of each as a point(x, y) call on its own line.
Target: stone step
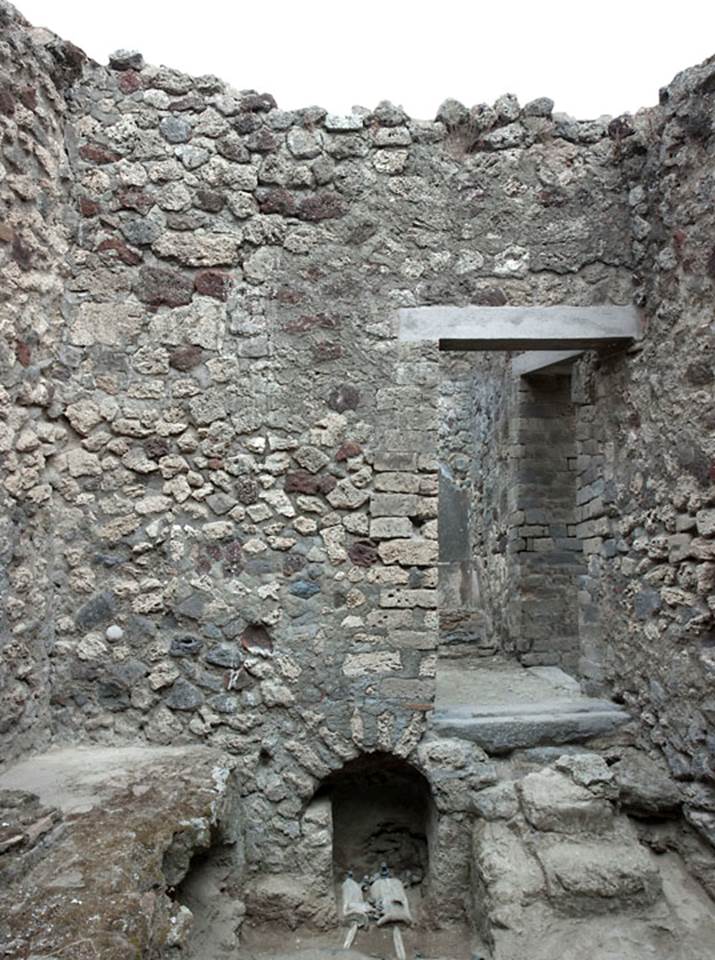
point(504, 729)
point(503, 706)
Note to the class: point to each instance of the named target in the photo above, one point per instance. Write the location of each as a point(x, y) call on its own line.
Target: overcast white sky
point(594, 57)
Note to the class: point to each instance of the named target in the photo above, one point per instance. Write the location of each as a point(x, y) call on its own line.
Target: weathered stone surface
point(645, 787)
point(126, 60)
point(596, 876)
point(408, 552)
point(553, 802)
point(184, 696)
point(345, 496)
point(98, 887)
point(157, 286)
point(510, 874)
point(393, 505)
point(385, 528)
point(199, 250)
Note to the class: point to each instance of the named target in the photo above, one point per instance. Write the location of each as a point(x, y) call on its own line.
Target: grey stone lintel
point(520, 328)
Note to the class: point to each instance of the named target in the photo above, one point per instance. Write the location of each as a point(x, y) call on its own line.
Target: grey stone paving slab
point(503, 706)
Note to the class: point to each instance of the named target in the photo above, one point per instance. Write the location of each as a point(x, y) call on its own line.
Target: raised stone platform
point(503, 706)
point(93, 838)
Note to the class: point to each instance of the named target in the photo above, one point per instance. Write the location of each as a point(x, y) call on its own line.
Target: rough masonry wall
point(249, 477)
point(235, 460)
point(35, 71)
point(648, 505)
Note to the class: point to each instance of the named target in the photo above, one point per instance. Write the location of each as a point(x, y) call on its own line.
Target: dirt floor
point(270, 944)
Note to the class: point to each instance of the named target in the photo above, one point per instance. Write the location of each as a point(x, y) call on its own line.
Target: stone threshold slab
point(502, 734)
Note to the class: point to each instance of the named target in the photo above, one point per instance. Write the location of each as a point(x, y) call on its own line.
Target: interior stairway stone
point(503, 706)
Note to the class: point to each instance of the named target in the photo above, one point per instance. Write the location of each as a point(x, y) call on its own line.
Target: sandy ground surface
point(262, 944)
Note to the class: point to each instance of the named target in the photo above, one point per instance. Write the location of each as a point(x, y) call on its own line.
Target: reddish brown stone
point(214, 463)
point(262, 141)
point(256, 637)
point(123, 252)
point(7, 101)
point(363, 553)
point(287, 295)
point(277, 200)
point(129, 81)
point(191, 102)
point(233, 558)
point(348, 450)
point(326, 205)
point(233, 149)
point(131, 198)
point(28, 97)
point(621, 127)
point(213, 283)
point(186, 358)
point(93, 153)
point(158, 286)
point(326, 484)
point(553, 197)
point(6, 233)
point(310, 322)
point(87, 207)
point(326, 350)
point(258, 103)
point(245, 123)
point(22, 353)
point(300, 481)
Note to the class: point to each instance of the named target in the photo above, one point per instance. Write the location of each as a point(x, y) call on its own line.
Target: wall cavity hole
point(381, 814)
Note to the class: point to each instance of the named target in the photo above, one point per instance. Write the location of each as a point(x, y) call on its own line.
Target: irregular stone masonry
point(218, 484)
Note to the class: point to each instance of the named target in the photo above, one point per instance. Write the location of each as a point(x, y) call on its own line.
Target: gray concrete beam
point(520, 328)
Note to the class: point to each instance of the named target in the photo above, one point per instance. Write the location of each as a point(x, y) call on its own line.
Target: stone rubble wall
point(244, 490)
point(36, 70)
point(230, 459)
point(647, 451)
